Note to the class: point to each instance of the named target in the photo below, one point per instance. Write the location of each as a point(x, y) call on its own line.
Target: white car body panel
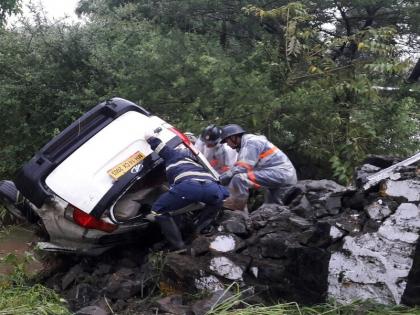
point(82, 179)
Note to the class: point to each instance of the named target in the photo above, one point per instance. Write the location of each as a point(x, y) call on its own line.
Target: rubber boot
point(170, 230)
point(206, 218)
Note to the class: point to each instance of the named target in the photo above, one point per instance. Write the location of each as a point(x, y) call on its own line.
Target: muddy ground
point(18, 242)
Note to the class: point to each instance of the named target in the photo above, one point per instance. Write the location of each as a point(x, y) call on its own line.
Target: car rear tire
point(15, 203)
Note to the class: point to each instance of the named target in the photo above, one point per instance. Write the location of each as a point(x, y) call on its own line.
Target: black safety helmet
point(231, 130)
point(211, 134)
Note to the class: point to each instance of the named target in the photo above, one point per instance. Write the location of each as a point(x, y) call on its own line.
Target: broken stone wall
point(329, 241)
point(376, 264)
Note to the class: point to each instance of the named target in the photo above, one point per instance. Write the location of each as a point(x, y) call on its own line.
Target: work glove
point(225, 178)
point(148, 134)
point(153, 142)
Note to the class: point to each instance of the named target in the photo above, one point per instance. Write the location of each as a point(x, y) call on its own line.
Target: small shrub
point(17, 297)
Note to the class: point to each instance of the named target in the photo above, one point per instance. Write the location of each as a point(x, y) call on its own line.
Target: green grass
point(18, 297)
point(359, 308)
point(25, 300)
point(234, 305)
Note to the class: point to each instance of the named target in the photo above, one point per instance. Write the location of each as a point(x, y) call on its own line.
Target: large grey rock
point(349, 221)
point(328, 203)
point(268, 212)
point(173, 305)
point(376, 265)
point(182, 271)
point(317, 199)
point(123, 284)
point(226, 268)
point(289, 279)
point(203, 306)
point(92, 310)
point(363, 172)
point(208, 283)
point(378, 210)
point(224, 243)
point(403, 225)
point(323, 185)
point(302, 207)
point(71, 275)
point(409, 189)
point(235, 222)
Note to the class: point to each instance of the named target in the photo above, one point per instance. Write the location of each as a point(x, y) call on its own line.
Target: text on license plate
point(122, 168)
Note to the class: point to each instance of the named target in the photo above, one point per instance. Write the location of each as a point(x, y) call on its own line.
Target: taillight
point(90, 222)
point(185, 140)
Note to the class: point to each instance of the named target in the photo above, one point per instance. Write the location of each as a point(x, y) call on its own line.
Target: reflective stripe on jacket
point(257, 153)
point(221, 156)
point(180, 163)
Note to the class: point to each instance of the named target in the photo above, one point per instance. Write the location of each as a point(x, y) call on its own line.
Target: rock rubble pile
point(328, 241)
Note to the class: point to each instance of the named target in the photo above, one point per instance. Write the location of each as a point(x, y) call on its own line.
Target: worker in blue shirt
point(189, 182)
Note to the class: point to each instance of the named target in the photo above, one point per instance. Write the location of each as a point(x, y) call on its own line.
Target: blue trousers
point(189, 191)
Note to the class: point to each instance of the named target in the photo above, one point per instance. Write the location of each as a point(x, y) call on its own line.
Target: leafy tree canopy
point(8, 7)
point(310, 75)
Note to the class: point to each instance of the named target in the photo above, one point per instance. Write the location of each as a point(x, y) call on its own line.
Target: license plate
point(122, 168)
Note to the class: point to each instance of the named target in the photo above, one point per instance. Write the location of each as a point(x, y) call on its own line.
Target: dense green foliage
point(305, 74)
point(8, 7)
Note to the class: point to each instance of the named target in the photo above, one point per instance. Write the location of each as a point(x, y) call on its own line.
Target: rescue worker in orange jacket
point(220, 155)
point(260, 164)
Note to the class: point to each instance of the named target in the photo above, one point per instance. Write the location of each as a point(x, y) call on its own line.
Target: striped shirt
point(180, 163)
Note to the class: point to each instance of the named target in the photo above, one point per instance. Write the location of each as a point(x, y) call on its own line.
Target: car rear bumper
point(76, 249)
point(97, 246)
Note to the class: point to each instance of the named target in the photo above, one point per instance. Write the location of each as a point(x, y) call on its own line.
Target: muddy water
point(18, 240)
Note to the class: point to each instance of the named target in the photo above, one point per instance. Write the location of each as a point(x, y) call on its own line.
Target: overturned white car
point(93, 185)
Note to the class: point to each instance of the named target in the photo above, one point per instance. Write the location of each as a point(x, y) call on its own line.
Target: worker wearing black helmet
point(220, 156)
point(260, 165)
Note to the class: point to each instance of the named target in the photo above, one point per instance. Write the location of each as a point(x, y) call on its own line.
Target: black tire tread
point(8, 191)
